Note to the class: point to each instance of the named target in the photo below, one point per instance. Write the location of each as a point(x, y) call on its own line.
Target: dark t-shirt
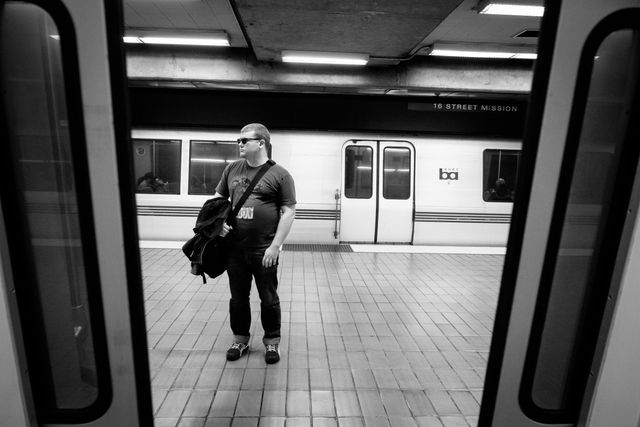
point(257, 220)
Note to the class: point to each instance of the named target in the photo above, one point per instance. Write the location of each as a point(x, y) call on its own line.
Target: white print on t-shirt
point(245, 213)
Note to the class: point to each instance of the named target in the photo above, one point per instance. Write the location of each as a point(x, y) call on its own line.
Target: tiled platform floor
point(369, 339)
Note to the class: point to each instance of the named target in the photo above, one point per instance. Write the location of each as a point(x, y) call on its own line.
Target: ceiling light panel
point(483, 50)
point(186, 41)
point(482, 54)
point(131, 39)
point(470, 53)
point(512, 9)
point(525, 56)
point(467, 52)
point(177, 38)
point(332, 58)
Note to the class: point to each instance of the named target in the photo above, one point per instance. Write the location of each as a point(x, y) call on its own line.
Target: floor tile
point(369, 339)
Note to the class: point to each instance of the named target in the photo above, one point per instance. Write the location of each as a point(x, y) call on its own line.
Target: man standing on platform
point(256, 236)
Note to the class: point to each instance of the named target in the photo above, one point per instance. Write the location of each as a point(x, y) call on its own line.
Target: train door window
point(396, 182)
point(358, 172)
point(207, 161)
point(156, 165)
point(500, 172)
point(593, 198)
point(48, 215)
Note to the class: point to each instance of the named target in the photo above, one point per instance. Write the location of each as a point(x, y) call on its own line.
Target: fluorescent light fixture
point(185, 38)
point(333, 58)
point(372, 90)
point(512, 9)
point(229, 85)
point(131, 39)
point(412, 92)
point(525, 56)
point(209, 160)
point(468, 50)
point(186, 41)
point(470, 53)
point(55, 36)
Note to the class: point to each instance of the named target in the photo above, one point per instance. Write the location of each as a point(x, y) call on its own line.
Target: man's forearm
point(284, 226)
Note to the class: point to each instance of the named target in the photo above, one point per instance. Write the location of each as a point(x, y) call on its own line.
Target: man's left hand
point(270, 256)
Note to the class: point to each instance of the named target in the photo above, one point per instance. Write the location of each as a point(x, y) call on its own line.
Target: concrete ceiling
point(379, 28)
point(184, 15)
point(390, 31)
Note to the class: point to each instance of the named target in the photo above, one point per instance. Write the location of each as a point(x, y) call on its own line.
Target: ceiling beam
point(236, 68)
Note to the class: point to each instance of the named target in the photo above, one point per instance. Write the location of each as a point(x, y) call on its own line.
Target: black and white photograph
point(368, 213)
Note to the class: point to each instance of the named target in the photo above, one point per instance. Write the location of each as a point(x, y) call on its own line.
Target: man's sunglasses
point(242, 141)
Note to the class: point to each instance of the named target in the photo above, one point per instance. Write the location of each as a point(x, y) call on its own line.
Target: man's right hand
point(225, 229)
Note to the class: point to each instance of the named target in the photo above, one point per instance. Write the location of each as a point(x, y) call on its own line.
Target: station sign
point(466, 107)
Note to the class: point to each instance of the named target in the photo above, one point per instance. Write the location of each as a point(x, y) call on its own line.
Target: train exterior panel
point(438, 191)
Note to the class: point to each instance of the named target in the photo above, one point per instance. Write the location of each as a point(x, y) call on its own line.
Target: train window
point(156, 165)
point(500, 172)
point(358, 172)
point(48, 215)
point(593, 197)
point(396, 182)
point(208, 160)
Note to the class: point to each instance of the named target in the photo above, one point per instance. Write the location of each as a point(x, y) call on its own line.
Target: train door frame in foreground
point(71, 282)
point(560, 347)
point(377, 201)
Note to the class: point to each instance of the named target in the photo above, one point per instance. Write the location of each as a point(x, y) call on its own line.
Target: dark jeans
point(242, 267)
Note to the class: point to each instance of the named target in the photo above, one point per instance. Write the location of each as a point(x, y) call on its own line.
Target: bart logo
point(448, 174)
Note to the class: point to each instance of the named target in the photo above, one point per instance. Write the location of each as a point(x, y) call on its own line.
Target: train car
point(351, 187)
point(565, 348)
point(72, 326)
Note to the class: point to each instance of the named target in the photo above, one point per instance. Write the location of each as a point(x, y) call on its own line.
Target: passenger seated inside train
point(149, 183)
point(500, 192)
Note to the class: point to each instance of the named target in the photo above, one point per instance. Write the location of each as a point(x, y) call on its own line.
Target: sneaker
point(236, 350)
point(272, 354)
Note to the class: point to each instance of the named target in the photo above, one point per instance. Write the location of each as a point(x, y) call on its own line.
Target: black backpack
point(207, 250)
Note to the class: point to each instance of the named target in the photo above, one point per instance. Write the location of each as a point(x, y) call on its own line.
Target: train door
point(377, 199)
point(565, 344)
point(72, 325)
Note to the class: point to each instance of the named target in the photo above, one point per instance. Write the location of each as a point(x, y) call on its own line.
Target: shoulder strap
point(249, 189)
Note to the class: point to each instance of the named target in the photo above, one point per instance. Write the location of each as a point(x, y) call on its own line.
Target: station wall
point(473, 116)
